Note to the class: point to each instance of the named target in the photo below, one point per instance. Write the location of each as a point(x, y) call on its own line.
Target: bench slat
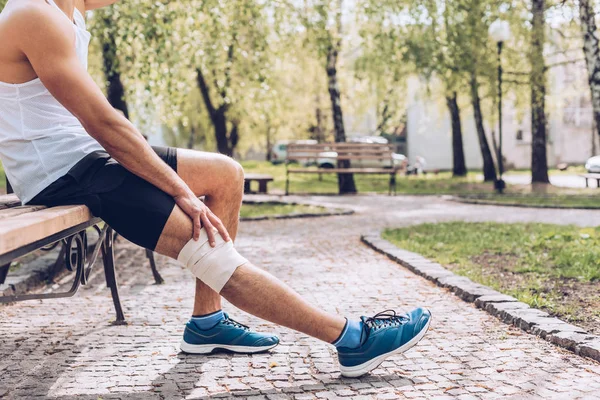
point(258, 177)
point(14, 211)
point(28, 228)
point(8, 201)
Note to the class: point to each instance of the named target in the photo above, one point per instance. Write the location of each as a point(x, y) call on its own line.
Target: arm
point(93, 4)
point(48, 42)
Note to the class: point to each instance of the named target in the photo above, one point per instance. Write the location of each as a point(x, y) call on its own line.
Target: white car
point(328, 159)
point(593, 165)
point(279, 150)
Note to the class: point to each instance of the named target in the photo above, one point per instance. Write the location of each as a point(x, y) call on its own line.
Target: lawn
point(431, 184)
point(441, 183)
point(552, 267)
point(270, 209)
point(559, 200)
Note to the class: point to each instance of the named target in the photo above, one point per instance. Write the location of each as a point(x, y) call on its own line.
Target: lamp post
point(500, 32)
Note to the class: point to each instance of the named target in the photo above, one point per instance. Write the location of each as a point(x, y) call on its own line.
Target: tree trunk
point(539, 158)
point(345, 181)
point(594, 130)
point(192, 138)
point(592, 55)
point(460, 168)
point(220, 125)
point(489, 169)
point(269, 152)
point(218, 117)
point(115, 91)
point(319, 128)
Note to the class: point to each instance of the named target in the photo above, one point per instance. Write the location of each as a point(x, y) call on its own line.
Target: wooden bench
point(262, 180)
point(365, 158)
point(24, 229)
point(589, 177)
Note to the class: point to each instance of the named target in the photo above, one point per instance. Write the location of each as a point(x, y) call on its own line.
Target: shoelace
point(384, 319)
point(229, 321)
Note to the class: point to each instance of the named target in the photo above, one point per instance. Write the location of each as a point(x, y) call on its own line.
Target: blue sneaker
point(227, 334)
point(383, 335)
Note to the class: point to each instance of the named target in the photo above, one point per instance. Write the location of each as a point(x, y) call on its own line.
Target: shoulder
point(37, 20)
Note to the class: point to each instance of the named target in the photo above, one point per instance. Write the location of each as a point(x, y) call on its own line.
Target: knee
point(233, 172)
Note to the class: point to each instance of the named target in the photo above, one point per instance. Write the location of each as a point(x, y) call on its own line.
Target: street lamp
point(500, 32)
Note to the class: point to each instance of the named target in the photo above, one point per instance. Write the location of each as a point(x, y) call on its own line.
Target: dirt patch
point(568, 299)
point(579, 302)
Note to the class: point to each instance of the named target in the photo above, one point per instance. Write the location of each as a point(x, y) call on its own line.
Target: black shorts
point(133, 207)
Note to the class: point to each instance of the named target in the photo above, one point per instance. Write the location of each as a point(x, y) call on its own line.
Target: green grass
point(270, 209)
point(441, 183)
point(553, 267)
point(573, 169)
point(431, 184)
point(559, 200)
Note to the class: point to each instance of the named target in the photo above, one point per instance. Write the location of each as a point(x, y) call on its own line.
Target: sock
point(350, 336)
point(207, 321)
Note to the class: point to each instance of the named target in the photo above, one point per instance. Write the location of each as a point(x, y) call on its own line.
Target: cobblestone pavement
point(67, 348)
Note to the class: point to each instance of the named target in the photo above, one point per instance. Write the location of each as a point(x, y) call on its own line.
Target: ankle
point(350, 336)
point(207, 321)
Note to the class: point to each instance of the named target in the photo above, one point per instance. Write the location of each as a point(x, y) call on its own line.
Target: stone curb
point(290, 216)
point(506, 308)
point(494, 203)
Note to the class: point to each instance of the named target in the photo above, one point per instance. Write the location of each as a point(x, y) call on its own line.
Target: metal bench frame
point(350, 151)
point(591, 176)
point(75, 251)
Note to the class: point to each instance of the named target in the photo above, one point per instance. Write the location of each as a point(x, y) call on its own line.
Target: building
point(571, 136)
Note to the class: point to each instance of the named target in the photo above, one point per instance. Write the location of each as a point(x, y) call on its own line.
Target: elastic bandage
point(212, 265)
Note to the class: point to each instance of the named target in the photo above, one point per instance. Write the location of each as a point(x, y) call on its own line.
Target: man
point(62, 143)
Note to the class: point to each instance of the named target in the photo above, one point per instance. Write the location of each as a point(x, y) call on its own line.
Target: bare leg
point(210, 175)
point(250, 288)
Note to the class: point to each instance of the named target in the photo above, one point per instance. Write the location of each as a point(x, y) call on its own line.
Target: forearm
point(126, 145)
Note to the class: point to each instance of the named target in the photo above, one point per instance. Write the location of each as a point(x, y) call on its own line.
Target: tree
point(476, 55)
point(321, 21)
point(539, 159)
point(458, 154)
point(592, 55)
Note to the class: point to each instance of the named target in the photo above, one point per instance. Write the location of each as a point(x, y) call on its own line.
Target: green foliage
point(271, 209)
point(533, 262)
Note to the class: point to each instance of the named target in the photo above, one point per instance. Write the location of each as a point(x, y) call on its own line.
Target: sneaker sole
point(209, 348)
point(365, 368)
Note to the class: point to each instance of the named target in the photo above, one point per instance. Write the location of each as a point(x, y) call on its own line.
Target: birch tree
point(591, 50)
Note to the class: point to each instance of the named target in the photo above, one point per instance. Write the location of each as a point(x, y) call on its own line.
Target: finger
point(210, 230)
point(220, 227)
point(197, 226)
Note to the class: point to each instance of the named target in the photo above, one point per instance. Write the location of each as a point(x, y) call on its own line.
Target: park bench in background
point(262, 180)
point(24, 229)
point(592, 177)
point(365, 158)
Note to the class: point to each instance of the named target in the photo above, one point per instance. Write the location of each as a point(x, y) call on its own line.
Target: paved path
point(66, 348)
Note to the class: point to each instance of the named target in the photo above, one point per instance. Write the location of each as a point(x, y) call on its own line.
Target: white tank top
point(40, 140)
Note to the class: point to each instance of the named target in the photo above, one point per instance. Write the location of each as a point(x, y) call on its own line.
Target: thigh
point(136, 209)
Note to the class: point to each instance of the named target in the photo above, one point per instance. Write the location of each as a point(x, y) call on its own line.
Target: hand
point(201, 216)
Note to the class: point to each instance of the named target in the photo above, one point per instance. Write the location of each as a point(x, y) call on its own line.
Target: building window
point(520, 135)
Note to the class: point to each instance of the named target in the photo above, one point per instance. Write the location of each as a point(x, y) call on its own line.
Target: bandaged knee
point(212, 265)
